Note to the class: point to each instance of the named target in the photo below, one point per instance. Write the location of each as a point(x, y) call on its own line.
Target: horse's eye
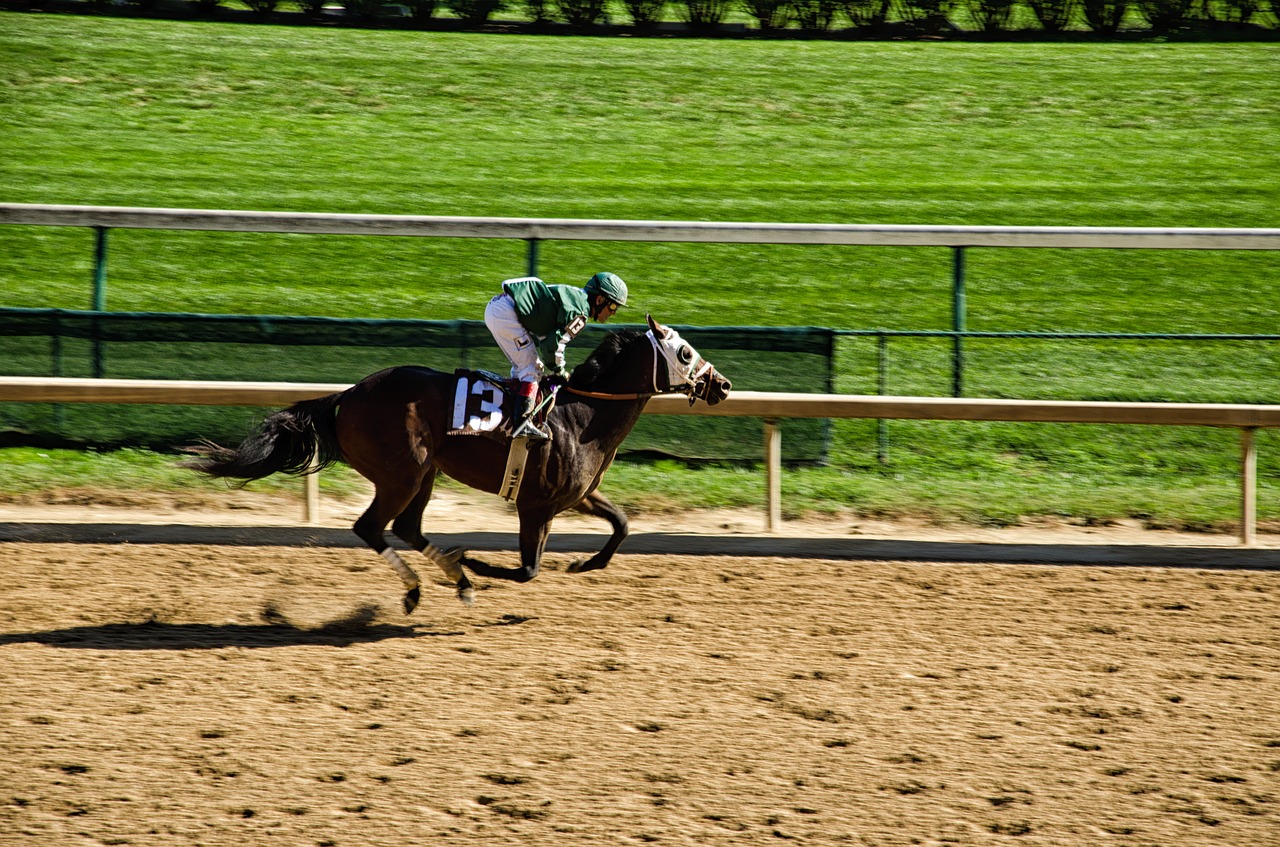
point(685, 355)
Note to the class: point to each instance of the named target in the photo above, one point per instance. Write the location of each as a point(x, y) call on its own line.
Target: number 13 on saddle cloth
point(477, 404)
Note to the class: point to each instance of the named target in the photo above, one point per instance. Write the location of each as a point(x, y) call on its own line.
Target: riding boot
point(524, 423)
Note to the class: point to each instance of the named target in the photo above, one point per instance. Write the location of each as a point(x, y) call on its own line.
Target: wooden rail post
point(1248, 488)
point(772, 475)
point(311, 487)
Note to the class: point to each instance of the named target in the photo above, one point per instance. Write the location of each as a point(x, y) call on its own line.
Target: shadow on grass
point(276, 631)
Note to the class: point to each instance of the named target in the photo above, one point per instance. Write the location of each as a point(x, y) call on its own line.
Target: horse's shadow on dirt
point(275, 631)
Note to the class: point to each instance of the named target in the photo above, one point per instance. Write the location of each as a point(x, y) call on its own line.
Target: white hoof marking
point(406, 574)
point(447, 561)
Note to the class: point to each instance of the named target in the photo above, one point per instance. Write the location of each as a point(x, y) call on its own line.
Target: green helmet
point(610, 285)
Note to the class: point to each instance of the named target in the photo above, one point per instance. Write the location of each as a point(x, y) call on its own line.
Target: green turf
point(208, 115)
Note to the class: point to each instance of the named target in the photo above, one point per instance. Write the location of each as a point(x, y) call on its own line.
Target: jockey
point(533, 322)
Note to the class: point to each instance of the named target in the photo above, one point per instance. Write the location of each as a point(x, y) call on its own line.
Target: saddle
point(485, 404)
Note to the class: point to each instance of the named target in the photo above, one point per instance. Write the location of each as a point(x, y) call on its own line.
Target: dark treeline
point(867, 19)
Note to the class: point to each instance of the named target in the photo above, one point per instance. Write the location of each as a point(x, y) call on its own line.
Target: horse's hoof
point(411, 598)
point(586, 565)
point(467, 596)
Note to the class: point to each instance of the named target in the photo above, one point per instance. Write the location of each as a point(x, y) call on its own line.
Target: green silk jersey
point(553, 314)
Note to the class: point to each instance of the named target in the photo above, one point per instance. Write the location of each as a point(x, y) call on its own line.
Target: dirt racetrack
point(184, 694)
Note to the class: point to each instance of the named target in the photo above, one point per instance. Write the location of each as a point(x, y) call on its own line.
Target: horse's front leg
point(600, 506)
point(535, 526)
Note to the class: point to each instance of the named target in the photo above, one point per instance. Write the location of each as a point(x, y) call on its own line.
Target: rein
point(601, 395)
point(687, 389)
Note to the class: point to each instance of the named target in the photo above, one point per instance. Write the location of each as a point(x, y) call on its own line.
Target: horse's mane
point(598, 363)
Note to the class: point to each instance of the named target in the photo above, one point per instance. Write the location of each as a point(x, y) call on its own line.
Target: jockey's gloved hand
point(559, 376)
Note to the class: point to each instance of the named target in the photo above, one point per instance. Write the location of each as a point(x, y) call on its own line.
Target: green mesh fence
point(54, 342)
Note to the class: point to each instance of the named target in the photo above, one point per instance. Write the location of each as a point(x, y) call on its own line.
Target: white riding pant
point(513, 339)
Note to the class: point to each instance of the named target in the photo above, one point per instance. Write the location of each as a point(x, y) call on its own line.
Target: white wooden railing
point(770, 407)
point(571, 229)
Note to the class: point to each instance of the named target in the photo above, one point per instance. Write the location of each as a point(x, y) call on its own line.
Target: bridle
point(694, 374)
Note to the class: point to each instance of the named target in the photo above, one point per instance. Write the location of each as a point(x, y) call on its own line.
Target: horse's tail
point(298, 440)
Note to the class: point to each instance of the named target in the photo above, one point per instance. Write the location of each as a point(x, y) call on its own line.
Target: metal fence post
point(99, 299)
point(532, 265)
point(55, 353)
point(957, 321)
point(882, 426)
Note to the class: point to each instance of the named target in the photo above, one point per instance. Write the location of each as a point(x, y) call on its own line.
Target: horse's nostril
point(727, 387)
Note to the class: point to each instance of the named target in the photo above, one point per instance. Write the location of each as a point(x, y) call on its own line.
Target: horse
point(398, 429)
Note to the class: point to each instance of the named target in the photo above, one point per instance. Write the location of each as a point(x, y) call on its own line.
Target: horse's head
point(683, 368)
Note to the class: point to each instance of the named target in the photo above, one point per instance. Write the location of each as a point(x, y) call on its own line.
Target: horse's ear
point(659, 331)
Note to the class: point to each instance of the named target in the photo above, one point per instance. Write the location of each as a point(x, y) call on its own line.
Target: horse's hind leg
point(598, 505)
point(389, 501)
point(408, 528)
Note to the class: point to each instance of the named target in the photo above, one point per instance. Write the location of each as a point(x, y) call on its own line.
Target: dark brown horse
point(400, 427)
